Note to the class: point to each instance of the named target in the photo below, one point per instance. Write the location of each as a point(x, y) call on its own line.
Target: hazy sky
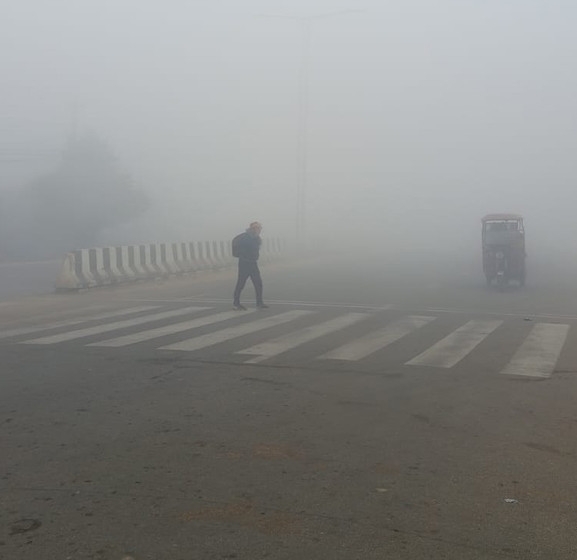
point(428, 112)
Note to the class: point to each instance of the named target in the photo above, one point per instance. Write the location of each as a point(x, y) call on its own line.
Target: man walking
point(246, 247)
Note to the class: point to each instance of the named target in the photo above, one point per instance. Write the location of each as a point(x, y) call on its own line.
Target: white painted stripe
point(384, 307)
point(100, 272)
point(453, 348)
point(293, 339)
point(126, 272)
point(230, 333)
point(76, 321)
point(195, 299)
point(144, 257)
point(539, 353)
point(138, 265)
point(85, 267)
point(99, 329)
point(377, 340)
point(169, 329)
point(116, 274)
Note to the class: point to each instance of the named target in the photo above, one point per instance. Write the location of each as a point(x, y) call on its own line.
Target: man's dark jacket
point(248, 247)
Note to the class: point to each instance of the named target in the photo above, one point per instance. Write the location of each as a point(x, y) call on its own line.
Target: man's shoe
point(239, 307)
point(262, 306)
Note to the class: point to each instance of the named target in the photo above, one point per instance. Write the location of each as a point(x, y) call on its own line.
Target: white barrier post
point(195, 256)
point(216, 255)
point(122, 264)
point(68, 279)
point(155, 260)
point(135, 261)
point(145, 261)
point(186, 262)
point(203, 257)
point(82, 258)
point(226, 252)
point(110, 265)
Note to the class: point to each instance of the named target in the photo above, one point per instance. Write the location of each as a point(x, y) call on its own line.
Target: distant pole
point(303, 115)
point(302, 133)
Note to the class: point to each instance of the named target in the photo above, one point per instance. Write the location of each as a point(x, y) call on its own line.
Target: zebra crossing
point(373, 337)
point(376, 340)
point(454, 347)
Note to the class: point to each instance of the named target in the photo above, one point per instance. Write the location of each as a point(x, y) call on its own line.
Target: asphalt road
point(380, 409)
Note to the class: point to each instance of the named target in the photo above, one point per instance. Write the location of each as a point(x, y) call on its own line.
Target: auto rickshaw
point(504, 254)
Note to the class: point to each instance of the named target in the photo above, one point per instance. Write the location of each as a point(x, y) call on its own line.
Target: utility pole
point(302, 132)
point(306, 23)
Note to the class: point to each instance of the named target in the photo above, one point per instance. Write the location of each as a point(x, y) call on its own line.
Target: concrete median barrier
point(102, 266)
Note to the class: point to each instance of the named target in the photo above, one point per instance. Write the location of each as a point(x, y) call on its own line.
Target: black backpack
point(236, 245)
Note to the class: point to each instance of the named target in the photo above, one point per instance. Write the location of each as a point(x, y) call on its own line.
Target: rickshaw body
point(503, 240)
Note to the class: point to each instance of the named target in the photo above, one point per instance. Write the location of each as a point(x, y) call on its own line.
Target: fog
point(422, 116)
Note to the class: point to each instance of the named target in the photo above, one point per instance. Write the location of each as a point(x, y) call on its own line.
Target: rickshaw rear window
point(502, 225)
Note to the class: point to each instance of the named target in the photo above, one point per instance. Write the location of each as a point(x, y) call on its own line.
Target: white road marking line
point(99, 329)
point(384, 307)
point(454, 347)
point(538, 355)
point(531, 316)
point(77, 321)
point(293, 339)
point(196, 299)
point(376, 340)
point(230, 333)
point(169, 329)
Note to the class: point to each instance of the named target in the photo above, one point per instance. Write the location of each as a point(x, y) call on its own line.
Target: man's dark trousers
point(248, 269)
